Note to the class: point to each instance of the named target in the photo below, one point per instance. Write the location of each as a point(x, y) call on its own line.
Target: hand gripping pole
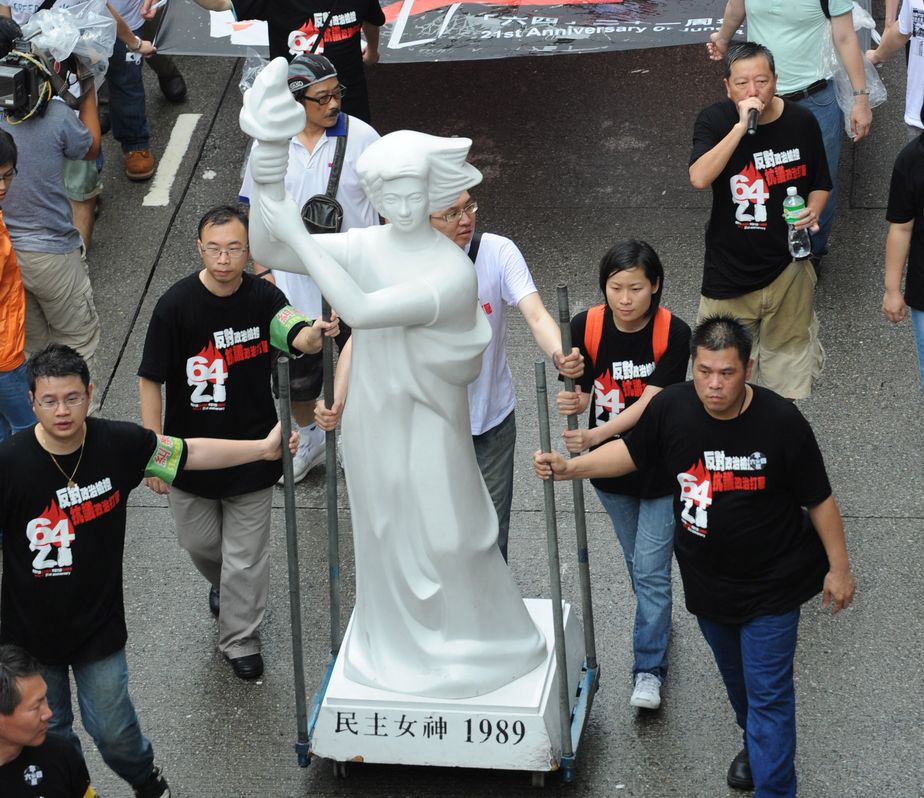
point(580, 518)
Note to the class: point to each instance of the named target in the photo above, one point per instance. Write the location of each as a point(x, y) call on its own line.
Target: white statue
point(437, 611)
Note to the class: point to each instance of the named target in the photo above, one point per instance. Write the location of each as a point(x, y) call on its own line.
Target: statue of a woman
point(437, 611)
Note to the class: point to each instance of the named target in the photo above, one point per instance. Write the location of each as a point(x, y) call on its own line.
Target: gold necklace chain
point(70, 479)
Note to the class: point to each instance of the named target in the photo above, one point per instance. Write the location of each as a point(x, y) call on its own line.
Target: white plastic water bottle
point(800, 245)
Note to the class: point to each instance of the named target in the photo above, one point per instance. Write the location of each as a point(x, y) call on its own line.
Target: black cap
point(306, 70)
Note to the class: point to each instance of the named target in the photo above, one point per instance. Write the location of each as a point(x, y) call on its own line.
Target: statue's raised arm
point(405, 174)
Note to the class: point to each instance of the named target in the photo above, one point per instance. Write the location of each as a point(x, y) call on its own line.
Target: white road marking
point(183, 129)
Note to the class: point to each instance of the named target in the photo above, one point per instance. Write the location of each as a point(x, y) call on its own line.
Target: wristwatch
point(860, 92)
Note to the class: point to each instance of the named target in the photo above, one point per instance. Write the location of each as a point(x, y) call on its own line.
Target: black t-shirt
point(746, 239)
point(623, 369)
point(740, 484)
point(906, 203)
point(213, 354)
point(298, 20)
point(61, 593)
point(54, 769)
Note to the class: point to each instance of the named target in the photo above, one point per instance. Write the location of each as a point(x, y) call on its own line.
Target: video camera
point(54, 50)
point(28, 80)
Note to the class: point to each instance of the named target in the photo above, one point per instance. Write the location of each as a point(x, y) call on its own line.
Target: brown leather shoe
point(139, 164)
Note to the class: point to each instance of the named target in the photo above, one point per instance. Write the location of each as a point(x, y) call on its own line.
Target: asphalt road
point(577, 152)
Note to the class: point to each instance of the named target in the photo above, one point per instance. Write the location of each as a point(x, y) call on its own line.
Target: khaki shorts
point(60, 307)
point(787, 353)
point(82, 180)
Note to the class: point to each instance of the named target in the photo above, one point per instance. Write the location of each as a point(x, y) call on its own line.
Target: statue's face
point(404, 203)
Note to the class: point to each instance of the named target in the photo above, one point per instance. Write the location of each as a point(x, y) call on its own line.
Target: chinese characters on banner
point(441, 30)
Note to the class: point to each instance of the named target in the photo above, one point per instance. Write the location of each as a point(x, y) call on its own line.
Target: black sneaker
point(155, 787)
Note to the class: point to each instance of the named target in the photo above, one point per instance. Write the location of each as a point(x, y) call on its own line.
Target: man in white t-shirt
point(910, 27)
point(503, 279)
point(313, 81)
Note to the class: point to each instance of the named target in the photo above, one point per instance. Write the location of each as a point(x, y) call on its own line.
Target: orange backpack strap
point(659, 332)
point(593, 331)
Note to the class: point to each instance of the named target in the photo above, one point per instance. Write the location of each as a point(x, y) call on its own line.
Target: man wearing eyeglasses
point(503, 279)
point(64, 487)
point(313, 80)
point(209, 343)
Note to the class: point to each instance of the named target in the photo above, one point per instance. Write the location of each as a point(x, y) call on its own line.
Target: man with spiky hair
point(758, 533)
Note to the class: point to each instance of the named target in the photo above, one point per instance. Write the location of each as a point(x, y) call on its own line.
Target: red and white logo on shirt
point(608, 396)
point(749, 193)
point(206, 374)
point(695, 498)
point(720, 473)
point(50, 537)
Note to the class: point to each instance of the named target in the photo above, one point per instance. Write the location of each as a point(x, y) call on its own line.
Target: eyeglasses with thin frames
point(324, 99)
point(470, 209)
point(216, 252)
point(52, 404)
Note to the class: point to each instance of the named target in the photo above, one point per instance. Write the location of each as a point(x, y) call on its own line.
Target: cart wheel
point(538, 778)
point(340, 770)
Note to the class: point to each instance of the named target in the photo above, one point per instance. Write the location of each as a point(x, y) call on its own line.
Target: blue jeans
point(494, 451)
point(126, 99)
point(823, 105)
point(755, 660)
point(107, 713)
point(15, 408)
point(645, 530)
point(917, 321)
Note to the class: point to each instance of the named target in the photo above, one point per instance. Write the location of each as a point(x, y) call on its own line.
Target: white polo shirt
point(307, 175)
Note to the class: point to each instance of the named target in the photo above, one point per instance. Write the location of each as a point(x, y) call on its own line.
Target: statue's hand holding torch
point(272, 116)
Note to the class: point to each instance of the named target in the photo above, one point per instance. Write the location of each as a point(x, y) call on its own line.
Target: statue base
point(516, 727)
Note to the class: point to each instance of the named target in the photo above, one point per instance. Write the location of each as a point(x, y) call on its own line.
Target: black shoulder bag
point(322, 213)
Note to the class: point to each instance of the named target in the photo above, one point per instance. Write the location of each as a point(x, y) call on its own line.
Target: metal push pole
point(330, 466)
point(577, 485)
point(295, 601)
point(551, 528)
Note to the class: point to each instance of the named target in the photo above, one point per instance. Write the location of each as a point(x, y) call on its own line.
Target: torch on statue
point(437, 611)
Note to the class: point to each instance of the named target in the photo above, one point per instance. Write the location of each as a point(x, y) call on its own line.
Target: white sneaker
point(647, 692)
point(307, 456)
